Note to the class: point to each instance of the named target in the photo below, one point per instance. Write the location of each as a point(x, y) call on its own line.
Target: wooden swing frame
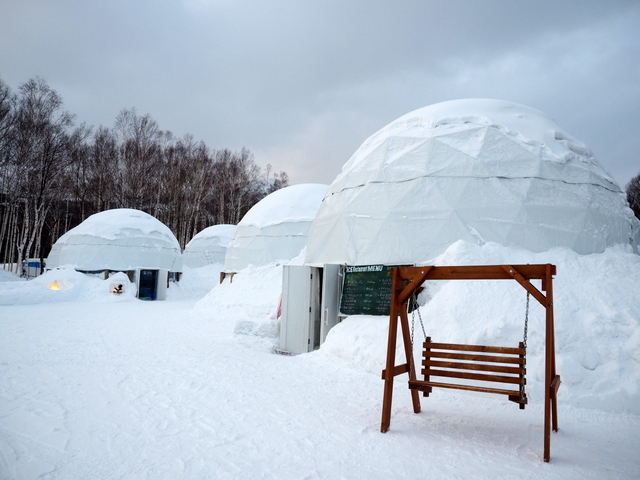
point(407, 280)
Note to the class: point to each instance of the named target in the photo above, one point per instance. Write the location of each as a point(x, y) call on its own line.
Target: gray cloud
point(303, 84)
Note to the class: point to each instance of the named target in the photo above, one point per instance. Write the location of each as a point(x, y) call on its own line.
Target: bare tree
point(53, 175)
point(633, 195)
point(140, 148)
point(236, 186)
point(43, 153)
point(8, 207)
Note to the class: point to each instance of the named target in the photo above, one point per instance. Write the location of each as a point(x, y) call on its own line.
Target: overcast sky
point(303, 83)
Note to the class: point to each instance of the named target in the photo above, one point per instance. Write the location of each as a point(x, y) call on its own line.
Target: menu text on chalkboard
point(366, 290)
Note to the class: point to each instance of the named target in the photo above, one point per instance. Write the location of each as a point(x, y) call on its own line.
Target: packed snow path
point(133, 390)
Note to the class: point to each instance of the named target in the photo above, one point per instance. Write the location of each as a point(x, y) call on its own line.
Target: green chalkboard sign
point(366, 290)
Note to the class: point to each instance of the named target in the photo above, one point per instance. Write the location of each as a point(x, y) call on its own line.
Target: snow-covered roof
point(208, 247)
point(478, 170)
point(275, 228)
point(118, 239)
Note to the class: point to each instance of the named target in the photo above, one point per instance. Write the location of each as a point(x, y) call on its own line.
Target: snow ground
point(105, 387)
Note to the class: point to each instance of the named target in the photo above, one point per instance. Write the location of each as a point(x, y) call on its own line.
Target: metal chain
point(526, 323)
point(413, 319)
point(420, 318)
point(524, 339)
point(416, 308)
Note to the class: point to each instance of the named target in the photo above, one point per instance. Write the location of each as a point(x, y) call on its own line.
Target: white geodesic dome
point(208, 247)
point(477, 170)
point(275, 228)
point(120, 239)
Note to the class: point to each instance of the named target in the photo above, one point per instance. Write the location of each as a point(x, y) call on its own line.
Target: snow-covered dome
point(120, 239)
point(478, 170)
point(208, 247)
point(275, 228)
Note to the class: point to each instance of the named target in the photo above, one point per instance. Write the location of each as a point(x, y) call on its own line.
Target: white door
point(331, 285)
point(295, 331)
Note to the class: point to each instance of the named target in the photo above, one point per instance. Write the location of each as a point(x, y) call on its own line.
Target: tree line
point(633, 195)
point(54, 173)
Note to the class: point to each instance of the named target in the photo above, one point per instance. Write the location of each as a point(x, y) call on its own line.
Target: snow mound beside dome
point(275, 228)
point(208, 247)
point(477, 170)
point(118, 239)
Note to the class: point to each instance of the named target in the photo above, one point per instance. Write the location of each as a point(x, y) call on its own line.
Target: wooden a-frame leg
point(408, 351)
point(389, 370)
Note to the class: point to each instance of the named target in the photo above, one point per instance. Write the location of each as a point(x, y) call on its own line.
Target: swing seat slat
point(444, 360)
point(426, 387)
point(481, 377)
point(474, 348)
point(474, 366)
point(475, 358)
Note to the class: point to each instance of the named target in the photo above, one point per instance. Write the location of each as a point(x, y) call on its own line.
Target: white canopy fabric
point(120, 239)
point(478, 170)
point(208, 247)
point(275, 228)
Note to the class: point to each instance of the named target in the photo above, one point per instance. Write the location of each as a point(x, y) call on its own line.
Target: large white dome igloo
point(478, 170)
point(208, 247)
point(275, 228)
point(120, 239)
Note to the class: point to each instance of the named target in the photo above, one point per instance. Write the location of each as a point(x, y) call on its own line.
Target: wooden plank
point(408, 352)
point(476, 358)
point(472, 376)
point(422, 385)
point(397, 370)
point(474, 348)
point(415, 283)
point(555, 385)
point(526, 284)
point(476, 272)
point(475, 366)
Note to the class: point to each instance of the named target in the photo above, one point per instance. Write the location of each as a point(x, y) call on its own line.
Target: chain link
point(413, 303)
point(524, 339)
point(413, 320)
point(526, 323)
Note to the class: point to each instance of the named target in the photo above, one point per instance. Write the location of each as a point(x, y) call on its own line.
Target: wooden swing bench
point(446, 360)
point(477, 368)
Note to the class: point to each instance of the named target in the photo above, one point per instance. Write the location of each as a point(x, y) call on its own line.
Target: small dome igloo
point(120, 239)
point(275, 228)
point(477, 170)
point(208, 247)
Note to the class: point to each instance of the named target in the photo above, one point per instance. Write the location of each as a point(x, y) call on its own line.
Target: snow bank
point(248, 303)
point(65, 285)
point(195, 282)
point(7, 276)
point(597, 322)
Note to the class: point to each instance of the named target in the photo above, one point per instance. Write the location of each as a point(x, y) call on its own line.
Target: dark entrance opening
point(147, 284)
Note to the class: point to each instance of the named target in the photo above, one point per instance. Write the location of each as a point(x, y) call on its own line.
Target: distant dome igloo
point(275, 228)
point(477, 170)
point(208, 247)
point(120, 239)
